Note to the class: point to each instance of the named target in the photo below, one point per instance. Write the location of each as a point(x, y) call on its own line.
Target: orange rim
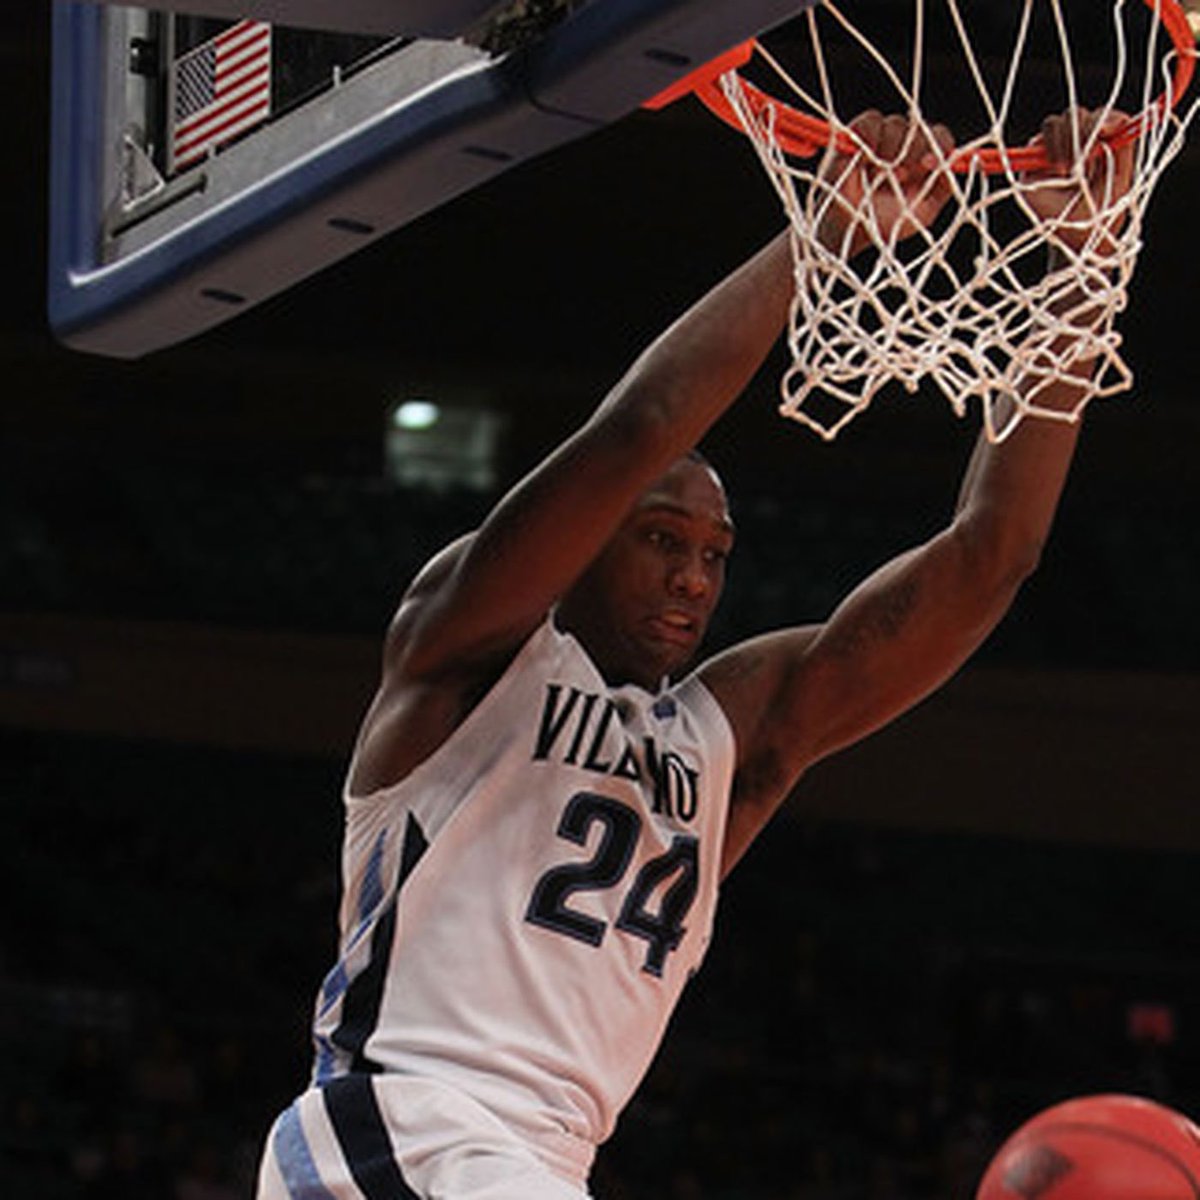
point(802, 136)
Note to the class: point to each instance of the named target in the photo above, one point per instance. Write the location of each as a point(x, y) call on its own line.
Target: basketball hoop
point(969, 302)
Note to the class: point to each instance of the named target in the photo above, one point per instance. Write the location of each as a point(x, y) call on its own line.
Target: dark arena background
point(987, 908)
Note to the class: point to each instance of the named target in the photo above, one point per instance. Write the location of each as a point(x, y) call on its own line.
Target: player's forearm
point(1011, 491)
point(695, 370)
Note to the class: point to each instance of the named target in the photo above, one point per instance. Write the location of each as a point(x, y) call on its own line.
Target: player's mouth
point(675, 626)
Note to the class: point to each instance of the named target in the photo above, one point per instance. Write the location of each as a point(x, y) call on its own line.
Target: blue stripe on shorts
point(295, 1159)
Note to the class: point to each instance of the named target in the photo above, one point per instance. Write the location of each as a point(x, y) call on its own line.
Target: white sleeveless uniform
point(519, 917)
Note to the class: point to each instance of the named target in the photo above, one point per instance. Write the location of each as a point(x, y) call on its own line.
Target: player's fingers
point(1124, 169)
point(1110, 172)
point(1109, 169)
point(894, 139)
point(1058, 139)
point(932, 147)
point(942, 139)
point(1111, 121)
point(1066, 135)
point(866, 127)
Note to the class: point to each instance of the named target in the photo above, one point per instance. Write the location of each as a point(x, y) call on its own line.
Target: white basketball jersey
point(522, 911)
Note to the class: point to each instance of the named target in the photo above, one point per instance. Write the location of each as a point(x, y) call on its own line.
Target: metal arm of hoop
point(802, 136)
point(736, 56)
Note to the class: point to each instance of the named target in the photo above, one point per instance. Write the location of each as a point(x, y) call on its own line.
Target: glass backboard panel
point(203, 163)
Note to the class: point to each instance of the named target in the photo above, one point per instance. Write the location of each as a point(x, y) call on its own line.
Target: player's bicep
point(898, 636)
point(749, 680)
point(536, 543)
point(800, 695)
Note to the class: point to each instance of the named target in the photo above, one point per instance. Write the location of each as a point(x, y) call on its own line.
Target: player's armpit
point(748, 681)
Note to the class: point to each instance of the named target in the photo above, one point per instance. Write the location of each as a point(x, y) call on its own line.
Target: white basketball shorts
point(389, 1137)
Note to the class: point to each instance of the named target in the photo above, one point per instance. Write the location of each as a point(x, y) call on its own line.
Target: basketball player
point(542, 800)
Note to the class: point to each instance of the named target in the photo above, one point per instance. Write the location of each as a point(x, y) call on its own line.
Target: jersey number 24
point(675, 873)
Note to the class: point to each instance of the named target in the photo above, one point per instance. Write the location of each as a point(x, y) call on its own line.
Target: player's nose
point(689, 577)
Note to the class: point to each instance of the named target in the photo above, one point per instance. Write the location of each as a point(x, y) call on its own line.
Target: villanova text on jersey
point(583, 729)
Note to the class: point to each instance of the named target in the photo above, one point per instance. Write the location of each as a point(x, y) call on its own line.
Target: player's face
point(643, 606)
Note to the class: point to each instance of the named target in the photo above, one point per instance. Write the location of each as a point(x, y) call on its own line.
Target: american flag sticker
point(221, 89)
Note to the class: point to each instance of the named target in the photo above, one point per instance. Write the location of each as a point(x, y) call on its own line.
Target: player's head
point(641, 609)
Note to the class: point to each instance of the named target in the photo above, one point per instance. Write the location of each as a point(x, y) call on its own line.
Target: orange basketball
point(1098, 1148)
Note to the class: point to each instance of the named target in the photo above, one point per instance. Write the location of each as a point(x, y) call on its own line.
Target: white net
point(995, 301)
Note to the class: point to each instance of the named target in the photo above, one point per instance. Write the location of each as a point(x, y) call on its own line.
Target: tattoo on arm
point(882, 618)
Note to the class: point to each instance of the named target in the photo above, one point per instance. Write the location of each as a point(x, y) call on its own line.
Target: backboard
point(388, 18)
point(203, 163)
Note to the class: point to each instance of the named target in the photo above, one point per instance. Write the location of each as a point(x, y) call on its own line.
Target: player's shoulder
point(419, 601)
point(415, 711)
point(746, 676)
point(437, 573)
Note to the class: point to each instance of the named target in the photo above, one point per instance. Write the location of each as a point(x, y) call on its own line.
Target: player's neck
point(617, 665)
